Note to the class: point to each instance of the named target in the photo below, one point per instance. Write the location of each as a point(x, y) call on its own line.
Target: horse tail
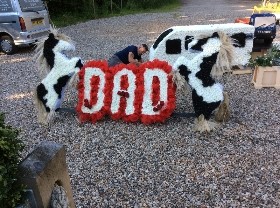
point(42, 114)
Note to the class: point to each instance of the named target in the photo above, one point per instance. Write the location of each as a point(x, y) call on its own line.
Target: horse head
point(46, 50)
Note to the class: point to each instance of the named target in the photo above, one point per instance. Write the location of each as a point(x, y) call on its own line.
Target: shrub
point(272, 58)
point(68, 12)
point(10, 147)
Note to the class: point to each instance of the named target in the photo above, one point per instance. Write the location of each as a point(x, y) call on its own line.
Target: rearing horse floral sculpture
point(50, 57)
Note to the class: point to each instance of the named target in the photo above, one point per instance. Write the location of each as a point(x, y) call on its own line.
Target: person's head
point(142, 49)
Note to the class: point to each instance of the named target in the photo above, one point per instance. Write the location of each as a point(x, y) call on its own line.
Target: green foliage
point(146, 4)
point(272, 58)
point(268, 6)
point(10, 146)
point(67, 12)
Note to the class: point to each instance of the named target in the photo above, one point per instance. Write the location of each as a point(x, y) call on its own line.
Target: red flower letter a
point(125, 99)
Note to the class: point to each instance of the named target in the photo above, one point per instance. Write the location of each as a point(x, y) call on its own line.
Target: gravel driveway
point(115, 164)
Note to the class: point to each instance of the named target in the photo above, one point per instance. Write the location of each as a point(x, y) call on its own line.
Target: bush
point(271, 58)
point(10, 146)
point(147, 4)
point(67, 12)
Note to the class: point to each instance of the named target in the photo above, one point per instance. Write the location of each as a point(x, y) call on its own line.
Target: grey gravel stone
point(115, 164)
point(59, 198)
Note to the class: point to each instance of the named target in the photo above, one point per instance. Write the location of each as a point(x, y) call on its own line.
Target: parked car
point(265, 26)
point(22, 23)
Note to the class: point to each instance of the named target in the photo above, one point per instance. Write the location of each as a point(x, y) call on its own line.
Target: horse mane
point(225, 56)
point(39, 57)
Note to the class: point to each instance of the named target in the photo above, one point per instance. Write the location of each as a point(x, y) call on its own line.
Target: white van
point(22, 23)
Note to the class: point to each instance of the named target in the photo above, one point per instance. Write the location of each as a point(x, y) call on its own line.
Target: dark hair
point(146, 47)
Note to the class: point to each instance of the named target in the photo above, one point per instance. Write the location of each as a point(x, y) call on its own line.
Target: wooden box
point(266, 77)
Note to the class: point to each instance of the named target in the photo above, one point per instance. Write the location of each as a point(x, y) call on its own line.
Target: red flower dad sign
point(126, 92)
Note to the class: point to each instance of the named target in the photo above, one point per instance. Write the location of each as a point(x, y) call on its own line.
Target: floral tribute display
point(212, 53)
point(158, 91)
point(174, 42)
point(50, 92)
point(93, 90)
point(126, 92)
point(147, 92)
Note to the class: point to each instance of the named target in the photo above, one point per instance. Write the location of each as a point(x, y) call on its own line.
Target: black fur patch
point(49, 44)
point(61, 82)
point(201, 42)
point(160, 38)
point(206, 67)
point(79, 64)
point(188, 39)
point(173, 46)
point(239, 40)
point(184, 71)
point(201, 107)
point(41, 92)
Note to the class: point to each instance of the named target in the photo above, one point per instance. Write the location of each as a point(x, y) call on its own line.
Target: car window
point(31, 5)
point(264, 21)
point(5, 6)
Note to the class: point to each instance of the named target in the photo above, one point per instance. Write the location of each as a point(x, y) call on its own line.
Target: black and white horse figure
point(214, 54)
point(49, 93)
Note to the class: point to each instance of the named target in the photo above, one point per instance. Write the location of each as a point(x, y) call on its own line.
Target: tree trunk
point(264, 3)
point(93, 5)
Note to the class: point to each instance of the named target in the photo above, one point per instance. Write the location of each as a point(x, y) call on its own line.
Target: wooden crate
point(241, 70)
point(266, 77)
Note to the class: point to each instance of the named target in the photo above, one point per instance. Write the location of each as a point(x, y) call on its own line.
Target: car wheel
point(7, 45)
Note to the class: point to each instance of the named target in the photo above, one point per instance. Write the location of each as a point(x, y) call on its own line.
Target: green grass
point(66, 19)
point(270, 7)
